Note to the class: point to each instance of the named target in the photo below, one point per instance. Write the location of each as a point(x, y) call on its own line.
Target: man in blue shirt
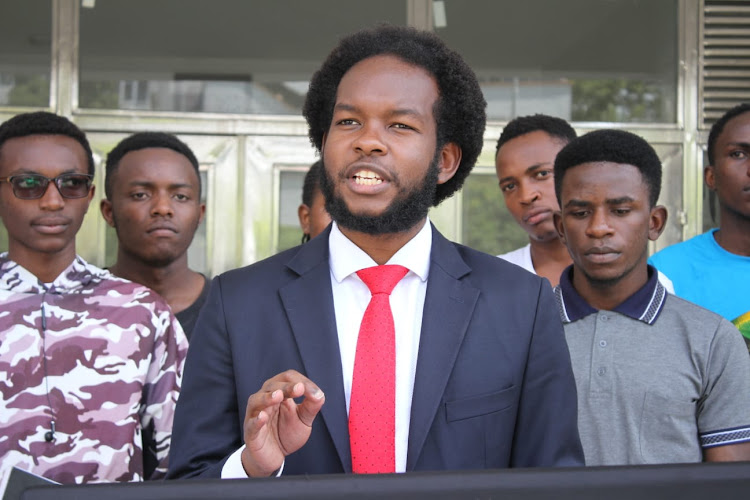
point(713, 269)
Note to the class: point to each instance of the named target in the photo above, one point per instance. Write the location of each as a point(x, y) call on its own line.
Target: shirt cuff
point(233, 468)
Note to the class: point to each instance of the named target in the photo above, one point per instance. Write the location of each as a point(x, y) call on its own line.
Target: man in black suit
point(482, 371)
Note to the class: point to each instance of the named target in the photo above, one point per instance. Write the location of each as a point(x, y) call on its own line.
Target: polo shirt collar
point(644, 305)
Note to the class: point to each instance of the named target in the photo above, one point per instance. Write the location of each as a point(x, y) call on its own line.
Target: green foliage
point(98, 95)
point(30, 90)
point(3, 238)
point(487, 224)
point(619, 100)
point(289, 236)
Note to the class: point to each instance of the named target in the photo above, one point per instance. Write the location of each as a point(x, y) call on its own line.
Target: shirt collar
point(16, 278)
point(346, 258)
point(644, 305)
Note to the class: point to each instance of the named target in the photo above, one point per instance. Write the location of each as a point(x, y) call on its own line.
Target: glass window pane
point(3, 238)
point(582, 60)
point(221, 56)
point(487, 224)
point(25, 58)
point(290, 197)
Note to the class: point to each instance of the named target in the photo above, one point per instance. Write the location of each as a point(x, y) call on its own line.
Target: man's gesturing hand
point(275, 425)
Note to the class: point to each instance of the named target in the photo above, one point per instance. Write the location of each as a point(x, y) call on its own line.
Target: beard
point(405, 211)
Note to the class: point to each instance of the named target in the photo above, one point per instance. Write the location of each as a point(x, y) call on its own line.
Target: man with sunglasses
point(90, 364)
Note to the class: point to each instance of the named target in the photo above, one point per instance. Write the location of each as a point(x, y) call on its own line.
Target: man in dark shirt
point(153, 200)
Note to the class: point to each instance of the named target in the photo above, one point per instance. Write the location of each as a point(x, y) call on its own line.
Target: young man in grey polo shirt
point(659, 379)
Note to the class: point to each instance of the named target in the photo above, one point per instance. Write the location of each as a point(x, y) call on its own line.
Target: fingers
point(275, 425)
point(288, 385)
point(310, 406)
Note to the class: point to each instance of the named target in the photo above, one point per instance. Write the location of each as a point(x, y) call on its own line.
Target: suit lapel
point(449, 304)
point(308, 302)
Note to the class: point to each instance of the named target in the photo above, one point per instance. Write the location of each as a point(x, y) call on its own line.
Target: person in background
point(660, 379)
point(313, 218)
point(524, 163)
point(713, 269)
point(90, 364)
point(455, 360)
point(153, 201)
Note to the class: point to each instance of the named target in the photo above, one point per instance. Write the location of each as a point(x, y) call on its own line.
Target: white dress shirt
point(350, 299)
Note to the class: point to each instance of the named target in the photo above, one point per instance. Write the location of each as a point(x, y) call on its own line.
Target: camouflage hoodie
point(100, 356)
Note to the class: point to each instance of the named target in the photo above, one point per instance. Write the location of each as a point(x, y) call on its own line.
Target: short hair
point(312, 182)
point(460, 108)
point(45, 123)
point(146, 140)
point(718, 128)
point(552, 125)
point(614, 146)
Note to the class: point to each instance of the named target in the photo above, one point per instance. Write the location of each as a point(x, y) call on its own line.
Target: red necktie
point(372, 406)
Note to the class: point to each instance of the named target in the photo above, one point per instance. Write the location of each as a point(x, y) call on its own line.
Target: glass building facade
point(229, 78)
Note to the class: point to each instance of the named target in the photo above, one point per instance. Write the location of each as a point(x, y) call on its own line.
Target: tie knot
point(382, 279)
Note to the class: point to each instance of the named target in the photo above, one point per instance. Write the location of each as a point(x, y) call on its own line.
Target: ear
point(450, 159)
point(709, 177)
point(203, 213)
point(323, 144)
point(557, 220)
point(303, 212)
point(90, 197)
point(657, 222)
point(106, 208)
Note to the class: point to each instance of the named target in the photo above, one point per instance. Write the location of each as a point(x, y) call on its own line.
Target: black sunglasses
point(33, 186)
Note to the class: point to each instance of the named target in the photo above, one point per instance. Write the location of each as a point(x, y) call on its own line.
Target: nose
point(52, 199)
point(599, 225)
point(528, 194)
point(370, 141)
point(162, 205)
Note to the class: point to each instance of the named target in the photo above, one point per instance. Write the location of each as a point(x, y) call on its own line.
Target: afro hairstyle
point(612, 146)
point(459, 111)
point(45, 123)
point(145, 140)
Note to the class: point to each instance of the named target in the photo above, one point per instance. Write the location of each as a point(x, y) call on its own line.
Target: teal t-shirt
point(706, 274)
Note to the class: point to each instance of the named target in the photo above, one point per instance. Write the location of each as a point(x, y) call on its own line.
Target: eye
point(402, 126)
point(139, 195)
point(347, 121)
point(738, 154)
point(542, 174)
point(27, 181)
point(621, 211)
point(578, 214)
point(181, 197)
point(74, 181)
point(507, 188)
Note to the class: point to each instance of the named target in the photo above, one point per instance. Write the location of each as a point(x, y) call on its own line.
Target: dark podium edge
point(684, 481)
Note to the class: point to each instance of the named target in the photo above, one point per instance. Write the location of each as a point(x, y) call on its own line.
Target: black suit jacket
point(494, 386)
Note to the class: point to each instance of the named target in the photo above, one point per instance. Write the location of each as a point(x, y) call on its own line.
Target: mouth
point(602, 255)
point(537, 215)
point(52, 225)
point(367, 179)
point(162, 230)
